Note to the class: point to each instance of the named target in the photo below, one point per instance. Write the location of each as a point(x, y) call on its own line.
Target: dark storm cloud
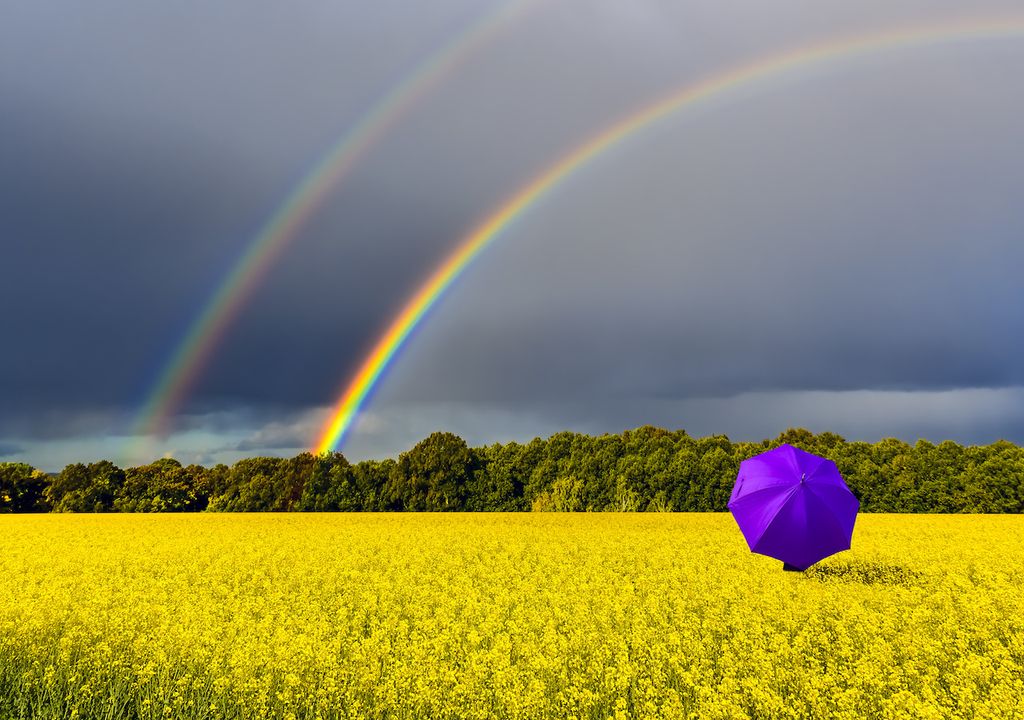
point(100, 234)
point(845, 236)
point(7, 449)
point(142, 150)
point(835, 278)
point(289, 434)
point(839, 235)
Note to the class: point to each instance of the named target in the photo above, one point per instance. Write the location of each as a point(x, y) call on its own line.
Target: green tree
point(72, 480)
point(497, 484)
point(86, 488)
point(248, 487)
point(22, 488)
point(565, 495)
point(161, 486)
point(371, 479)
point(714, 474)
point(331, 486)
point(434, 475)
point(797, 437)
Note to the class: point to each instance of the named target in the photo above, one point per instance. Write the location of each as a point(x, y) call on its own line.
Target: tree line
point(647, 469)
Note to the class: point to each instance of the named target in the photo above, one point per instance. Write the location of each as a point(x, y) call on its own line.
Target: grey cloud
point(756, 251)
point(841, 231)
point(7, 449)
point(295, 432)
point(968, 415)
point(47, 422)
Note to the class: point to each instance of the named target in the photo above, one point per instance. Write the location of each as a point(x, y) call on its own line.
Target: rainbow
point(193, 352)
point(714, 87)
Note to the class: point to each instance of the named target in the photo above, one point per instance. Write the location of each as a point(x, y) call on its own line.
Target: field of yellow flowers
point(506, 616)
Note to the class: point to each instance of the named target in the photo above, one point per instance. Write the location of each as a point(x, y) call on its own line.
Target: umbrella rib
point(829, 506)
point(793, 459)
point(823, 464)
point(768, 523)
point(744, 496)
point(816, 487)
point(830, 514)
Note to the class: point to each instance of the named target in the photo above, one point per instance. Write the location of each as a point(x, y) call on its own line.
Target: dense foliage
point(647, 469)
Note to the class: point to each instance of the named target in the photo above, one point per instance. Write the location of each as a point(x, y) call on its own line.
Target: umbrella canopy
point(793, 506)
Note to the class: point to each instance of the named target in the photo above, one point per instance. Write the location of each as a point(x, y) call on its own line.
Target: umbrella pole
point(790, 568)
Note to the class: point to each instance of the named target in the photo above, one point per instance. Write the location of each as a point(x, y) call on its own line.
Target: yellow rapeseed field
point(506, 616)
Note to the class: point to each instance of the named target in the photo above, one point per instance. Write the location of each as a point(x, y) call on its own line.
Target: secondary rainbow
point(347, 408)
point(192, 353)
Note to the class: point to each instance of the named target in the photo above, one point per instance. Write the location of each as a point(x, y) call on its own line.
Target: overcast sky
point(840, 251)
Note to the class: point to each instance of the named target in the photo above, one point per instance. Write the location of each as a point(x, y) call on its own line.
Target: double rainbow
point(193, 352)
point(717, 86)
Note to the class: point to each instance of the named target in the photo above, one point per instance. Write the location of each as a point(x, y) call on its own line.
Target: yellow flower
point(521, 616)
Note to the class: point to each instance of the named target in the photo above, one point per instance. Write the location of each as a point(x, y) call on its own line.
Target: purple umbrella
point(793, 506)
